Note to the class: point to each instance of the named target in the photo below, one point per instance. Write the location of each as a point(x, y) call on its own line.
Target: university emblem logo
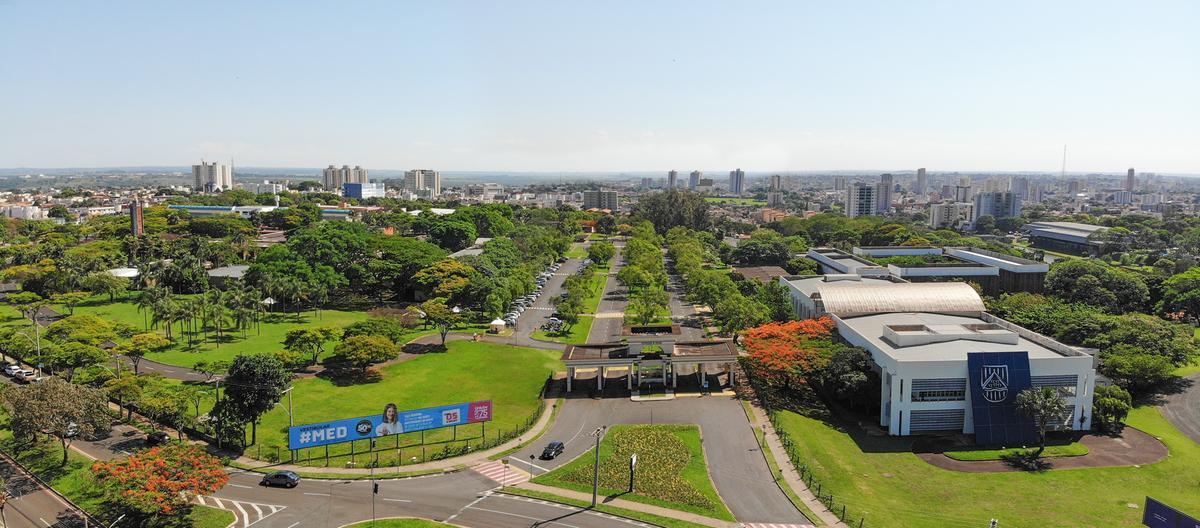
point(994, 382)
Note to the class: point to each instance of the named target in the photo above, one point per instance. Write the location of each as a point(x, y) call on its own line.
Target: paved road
point(738, 469)
point(535, 316)
point(31, 505)
point(607, 327)
point(1183, 409)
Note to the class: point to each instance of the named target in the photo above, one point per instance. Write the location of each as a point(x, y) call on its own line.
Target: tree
point(672, 208)
point(396, 328)
point(1093, 282)
point(72, 355)
point(762, 252)
point(1110, 405)
point(452, 235)
point(445, 278)
point(361, 351)
point(440, 316)
point(1136, 372)
point(737, 312)
point(211, 368)
point(161, 480)
point(103, 282)
point(126, 390)
point(165, 404)
point(601, 252)
point(141, 344)
point(254, 385)
point(1181, 293)
point(849, 374)
point(647, 303)
point(57, 408)
point(788, 354)
point(309, 341)
point(1042, 405)
point(70, 300)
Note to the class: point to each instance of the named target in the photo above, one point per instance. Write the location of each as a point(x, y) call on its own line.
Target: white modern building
point(212, 177)
point(997, 204)
point(600, 200)
point(24, 212)
point(737, 182)
point(944, 363)
point(861, 200)
point(950, 215)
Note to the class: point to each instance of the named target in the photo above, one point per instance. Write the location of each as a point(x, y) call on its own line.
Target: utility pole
point(597, 434)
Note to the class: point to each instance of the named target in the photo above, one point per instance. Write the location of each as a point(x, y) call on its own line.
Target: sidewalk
point(424, 467)
point(790, 475)
point(630, 505)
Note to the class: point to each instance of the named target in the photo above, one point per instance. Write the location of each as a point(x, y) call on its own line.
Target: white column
point(629, 378)
point(570, 374)
point(894, 427)
point(674, 377)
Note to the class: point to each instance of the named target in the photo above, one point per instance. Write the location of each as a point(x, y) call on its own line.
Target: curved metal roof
point(848, 299)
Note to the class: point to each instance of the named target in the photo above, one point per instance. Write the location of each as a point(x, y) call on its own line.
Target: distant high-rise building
point(839, 183)
point(1123, 197)
point(212, 177)
point(333, 178)
point(600, 200)
point(417, 180)
point(1020, 185)
point(922, 182)
point(737, 181)
point(774, 199)
point(962, 191)
point(776, 182)
point(1073, 188)
point(136, 226)
point(647, 183)
point(883, 194)
point(672, 176)
point(943, 215)
point(1130, 181)
point(861, 200)
point(996, 204)
point(694, 179)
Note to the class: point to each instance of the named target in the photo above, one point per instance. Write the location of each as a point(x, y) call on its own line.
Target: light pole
point(597, 434)
point(291, 421)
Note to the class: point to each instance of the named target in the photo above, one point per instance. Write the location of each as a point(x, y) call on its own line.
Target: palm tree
point(1042, 405)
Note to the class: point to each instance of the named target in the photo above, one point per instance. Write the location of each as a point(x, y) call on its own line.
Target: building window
point(938, 395)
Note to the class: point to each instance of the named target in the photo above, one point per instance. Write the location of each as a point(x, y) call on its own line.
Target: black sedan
point(285, 479)
point(552, 450)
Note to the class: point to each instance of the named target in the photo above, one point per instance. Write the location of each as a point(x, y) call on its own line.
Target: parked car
point(158, 438)
point(286, 479)
point(24, 375)
point(11, 370)
point(552, 450)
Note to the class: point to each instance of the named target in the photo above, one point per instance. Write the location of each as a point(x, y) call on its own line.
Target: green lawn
point(511, 377)
point(592, 303)
point(734, 201)
point(398, 523)
point(1188, 370)
point(880, 478)
point(268, 338)
point(662, 315)
point(576, 251)
point(671, 470)
point(1061, 450)
point(75, 480)
point(577, 336)
point(597, 236)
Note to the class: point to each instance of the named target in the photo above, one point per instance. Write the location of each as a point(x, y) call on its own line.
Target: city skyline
point(667, 88)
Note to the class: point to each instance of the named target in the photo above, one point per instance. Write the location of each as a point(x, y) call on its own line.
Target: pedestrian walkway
point(630, 505)
point(790, 476)
point(502, 474)
point(775, 525)
point(246, 513)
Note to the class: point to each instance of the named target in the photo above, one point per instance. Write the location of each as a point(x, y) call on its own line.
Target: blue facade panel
point(995, 379)
point(1159, 515)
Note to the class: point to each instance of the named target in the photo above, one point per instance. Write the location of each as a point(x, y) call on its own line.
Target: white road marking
point(43, 521)
point(531, 464)
point(575, 436)
point(397, 500)
point(317, 494)
point(474, 502)
point(294, 525)
point(240, 486)
point(523, 517)
point(257, 510)
point(245, 516)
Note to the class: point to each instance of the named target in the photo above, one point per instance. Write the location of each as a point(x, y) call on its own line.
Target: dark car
point(552, 450)
point(286, 479)
point(158, 438)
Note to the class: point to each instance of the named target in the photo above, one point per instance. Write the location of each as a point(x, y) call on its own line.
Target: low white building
point(946, 364)
point(24, 212)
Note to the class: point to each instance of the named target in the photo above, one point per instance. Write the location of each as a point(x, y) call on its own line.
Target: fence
point(821, 492)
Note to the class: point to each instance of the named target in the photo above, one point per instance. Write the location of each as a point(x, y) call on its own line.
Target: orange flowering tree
point(161, 480)
point(787, 354)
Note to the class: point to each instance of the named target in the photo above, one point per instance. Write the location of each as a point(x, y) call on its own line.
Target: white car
point(12, 370)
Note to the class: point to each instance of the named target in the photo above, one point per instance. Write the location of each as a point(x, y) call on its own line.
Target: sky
point(603, 86)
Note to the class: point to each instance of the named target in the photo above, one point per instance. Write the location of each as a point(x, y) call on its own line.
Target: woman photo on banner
point(390, 424)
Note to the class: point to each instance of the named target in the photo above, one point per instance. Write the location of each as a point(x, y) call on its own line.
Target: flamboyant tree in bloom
point(787, 354)
point(161, 480)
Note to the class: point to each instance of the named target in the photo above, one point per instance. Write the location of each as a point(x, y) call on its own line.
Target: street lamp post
point(597, 434)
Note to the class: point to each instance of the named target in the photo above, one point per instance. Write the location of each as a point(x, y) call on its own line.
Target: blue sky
point(636, 85)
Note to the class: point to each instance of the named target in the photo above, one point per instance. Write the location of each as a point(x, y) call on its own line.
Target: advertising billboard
point(1159, 515)
point(995, 379)
point(390, 421)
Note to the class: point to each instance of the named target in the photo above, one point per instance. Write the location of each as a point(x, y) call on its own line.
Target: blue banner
point(995, 379)
point(1159, 515)
point(389, 422)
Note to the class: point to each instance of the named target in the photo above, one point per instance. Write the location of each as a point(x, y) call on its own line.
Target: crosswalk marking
point(501, 474)
point(245, 513)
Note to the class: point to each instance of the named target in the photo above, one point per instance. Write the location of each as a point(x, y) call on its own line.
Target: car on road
point(158, 438)
point(11, 370)
point(286, 479)
point(552, 450)
point(24, 375)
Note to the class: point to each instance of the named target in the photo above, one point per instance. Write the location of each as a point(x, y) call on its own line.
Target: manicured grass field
point(592, 303)
point(577, 336)
point(671, 470)
point(398, 523)
point(511, 377)
point(663, 315)
point(734, 201)
point(880, 478)
point(268, 338)
point(1067, 450)
point(75, 479)
point(576, 251)
point(1188, 370)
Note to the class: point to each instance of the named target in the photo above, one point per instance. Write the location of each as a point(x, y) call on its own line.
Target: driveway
point(1183, 409)
point(735, 462)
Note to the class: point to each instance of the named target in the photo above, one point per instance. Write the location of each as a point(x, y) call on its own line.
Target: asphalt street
point(1183, 409)
point(606, 328)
